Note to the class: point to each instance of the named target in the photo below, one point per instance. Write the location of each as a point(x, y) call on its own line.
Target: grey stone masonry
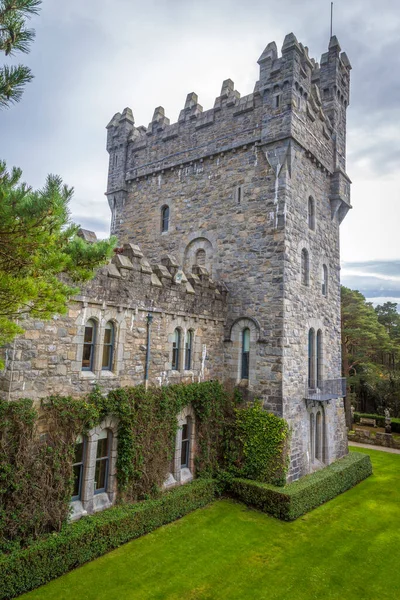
point(237, 210)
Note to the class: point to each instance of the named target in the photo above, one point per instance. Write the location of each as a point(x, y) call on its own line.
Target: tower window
point(311, 213)
point(239, 194)
point(311, 359)
point(319, 358)
point(164, 219)
point(277, 100)
point(108, 347)
point(176, 349)
point(324, 280)
point(88, 346)
point(188, 350)
point(305, 267)
point(245, 353)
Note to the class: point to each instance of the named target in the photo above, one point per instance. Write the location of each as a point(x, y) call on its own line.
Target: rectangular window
point(77, 468)
point(185, 445)
point(102, 461)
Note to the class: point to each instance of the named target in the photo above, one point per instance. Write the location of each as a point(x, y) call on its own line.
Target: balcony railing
point(329, 389)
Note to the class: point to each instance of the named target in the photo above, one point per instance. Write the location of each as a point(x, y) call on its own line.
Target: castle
point(228, 261)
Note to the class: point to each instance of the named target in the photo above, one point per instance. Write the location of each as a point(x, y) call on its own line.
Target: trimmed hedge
point(296, 499)
point(380, 420)
point(89, 538)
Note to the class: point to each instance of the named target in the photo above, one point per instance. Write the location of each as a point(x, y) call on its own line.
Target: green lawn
point(346, 549)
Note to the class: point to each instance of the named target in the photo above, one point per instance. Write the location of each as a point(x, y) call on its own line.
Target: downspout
point(146, 367)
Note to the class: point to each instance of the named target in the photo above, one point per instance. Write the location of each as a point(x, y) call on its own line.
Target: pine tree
point(15, 37)
point(41, 256)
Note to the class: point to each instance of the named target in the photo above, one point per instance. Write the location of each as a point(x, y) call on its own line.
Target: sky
point(93, 58)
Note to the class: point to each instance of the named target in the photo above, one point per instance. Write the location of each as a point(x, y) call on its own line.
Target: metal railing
point(328, 389)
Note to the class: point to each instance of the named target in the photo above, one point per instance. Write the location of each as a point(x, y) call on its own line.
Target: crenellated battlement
point(295, 97)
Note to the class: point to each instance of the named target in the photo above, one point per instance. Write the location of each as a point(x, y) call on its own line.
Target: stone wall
point(48, 358)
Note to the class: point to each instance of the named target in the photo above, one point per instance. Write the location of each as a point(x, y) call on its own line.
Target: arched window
point(245, 353)
point(188, 350)
point(311, 359)
point(78, 467)
point(102, 461)
point(176, 349)
point(108, 347)
point(201, 258)
point(185, 445)
point(312, 436)
point(164, 218)
point(319, 358)
point(305, 267)
point(318, 437)
point(311, 213)
point(324, 280)
point(88, 345)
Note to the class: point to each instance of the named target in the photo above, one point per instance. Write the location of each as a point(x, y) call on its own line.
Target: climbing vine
point(37, 447)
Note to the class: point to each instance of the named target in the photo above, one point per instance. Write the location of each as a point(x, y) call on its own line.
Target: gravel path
point(371, 447)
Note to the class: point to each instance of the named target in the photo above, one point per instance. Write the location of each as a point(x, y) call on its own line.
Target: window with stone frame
point(324, 280)
point(185, 443)
point(89, 341)
point(176, 349)
point(189, 349)
point(305, 267)
point(108, 347)
point(311, 358)
point(319, 358)
point(164, 218)
point(78, 467)
point(102, 461)
point(245, 354)
point(311, 213)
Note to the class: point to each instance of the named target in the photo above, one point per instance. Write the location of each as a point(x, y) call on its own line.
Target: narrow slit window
point(239, 194)
point(245, 353)
point(164, 219)
point(176, 347)
point(324, 280)
point(319, 358)
point(108, 347)
point(88, 346)
point(305, 267)
point(277, 100)
point(185, 447)
point(102, 461)
point(311, 359)
point(188, 350)
point(311, 213)
point(78, 467)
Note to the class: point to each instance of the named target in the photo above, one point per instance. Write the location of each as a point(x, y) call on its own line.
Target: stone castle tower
point(254, 190)
point(228, 227)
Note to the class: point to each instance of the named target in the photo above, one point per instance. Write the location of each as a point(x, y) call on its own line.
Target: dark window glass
point(311, 213)
point(324, 280)
point(77, 468)
point(88, 346)
point(304, 267)
point(164, 218)
point(311, 359)
point(319, 358)
point(188, 350)
point(102, 462)
point(185, 448)
point(176, 346)
point(108, 347)
point(245, 353)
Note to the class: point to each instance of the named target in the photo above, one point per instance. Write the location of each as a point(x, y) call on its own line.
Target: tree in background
point(41, 256)
point(370, 350)
point(15, 37)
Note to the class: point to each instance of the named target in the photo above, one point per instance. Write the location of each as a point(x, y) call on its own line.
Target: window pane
point(106, 362)
point(246, 340)
point(87, 355)
point(89, 329)
point(77, 474)
point(100, 474)
point(78, 452)
point(102, 448)
point(185, 432)
point(108, 336)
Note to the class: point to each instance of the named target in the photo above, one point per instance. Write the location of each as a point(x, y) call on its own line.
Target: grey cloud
point(383, 267)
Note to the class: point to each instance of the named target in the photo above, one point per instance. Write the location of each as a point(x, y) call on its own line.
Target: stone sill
point(87, 375)
point(109, 374)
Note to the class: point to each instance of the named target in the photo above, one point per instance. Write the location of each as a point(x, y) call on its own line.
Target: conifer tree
point(41, 256)
point(15, 37)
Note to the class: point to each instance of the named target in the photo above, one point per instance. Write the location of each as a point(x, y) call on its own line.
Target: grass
point(346, 549)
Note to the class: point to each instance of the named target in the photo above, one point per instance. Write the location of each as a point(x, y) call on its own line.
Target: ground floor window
point(78, 467)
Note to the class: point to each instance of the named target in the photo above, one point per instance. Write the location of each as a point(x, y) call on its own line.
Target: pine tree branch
point(12, 81)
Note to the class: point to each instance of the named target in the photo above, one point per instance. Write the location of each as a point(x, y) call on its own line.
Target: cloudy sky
point(91, 58)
